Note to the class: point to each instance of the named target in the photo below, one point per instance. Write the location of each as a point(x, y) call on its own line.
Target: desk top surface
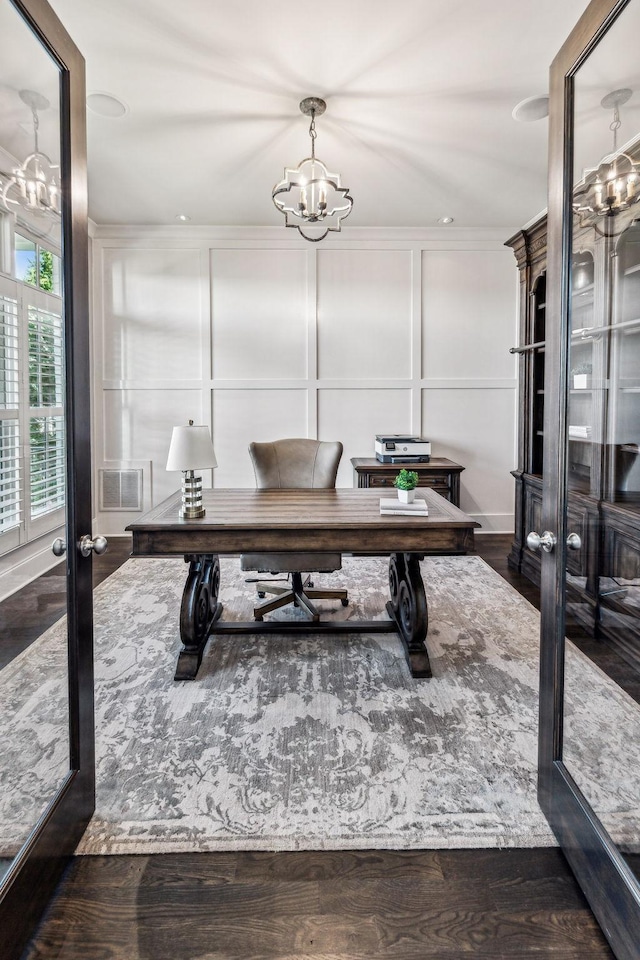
point(344, 521)
point(298, 509)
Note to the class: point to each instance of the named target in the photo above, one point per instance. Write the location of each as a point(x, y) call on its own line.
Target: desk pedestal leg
point(198, 612)
point(408, 607)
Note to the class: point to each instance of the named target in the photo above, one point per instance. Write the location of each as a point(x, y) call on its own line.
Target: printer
point(400, 448)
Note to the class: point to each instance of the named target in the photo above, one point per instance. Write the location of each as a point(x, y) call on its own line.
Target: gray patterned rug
point(309, 742)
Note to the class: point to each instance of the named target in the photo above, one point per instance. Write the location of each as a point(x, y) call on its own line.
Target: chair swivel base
point(299, 594)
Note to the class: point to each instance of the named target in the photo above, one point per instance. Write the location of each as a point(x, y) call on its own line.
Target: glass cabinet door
point(589, 770)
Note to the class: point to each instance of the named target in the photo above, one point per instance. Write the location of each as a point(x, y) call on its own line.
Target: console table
point(439, 474)
point(301, 521)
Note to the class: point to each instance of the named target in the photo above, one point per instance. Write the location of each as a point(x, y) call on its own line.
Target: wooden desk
point(343, 521)
point(439, 474)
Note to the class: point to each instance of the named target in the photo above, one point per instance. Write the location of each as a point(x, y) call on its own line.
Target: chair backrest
point(295, 464)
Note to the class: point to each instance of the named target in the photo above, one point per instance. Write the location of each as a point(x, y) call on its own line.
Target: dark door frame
point(29, 884)
point(612, 889)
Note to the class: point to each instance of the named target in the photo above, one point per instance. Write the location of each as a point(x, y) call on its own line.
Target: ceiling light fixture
point(444, 220)
point(33, 184)
point(182, 217)
point(312, 199)
point(106, 105)
point(614, 185)
point(531, 109)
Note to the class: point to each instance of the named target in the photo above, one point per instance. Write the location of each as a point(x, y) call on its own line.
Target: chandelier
point(312, 199)
point(615, 184)
point(33, 185)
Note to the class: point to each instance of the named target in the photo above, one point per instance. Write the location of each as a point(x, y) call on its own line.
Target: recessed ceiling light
point(533, 108)
point(106, 105)
point(182, 217)
point(445, 220)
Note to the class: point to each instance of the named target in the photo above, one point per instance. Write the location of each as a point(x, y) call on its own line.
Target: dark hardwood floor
point(26, 614)
point(357, 905)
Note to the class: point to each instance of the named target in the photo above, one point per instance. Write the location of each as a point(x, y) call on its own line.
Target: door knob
point(58, 547)
point(547, 541)
point(573, 541)
point(98, 545)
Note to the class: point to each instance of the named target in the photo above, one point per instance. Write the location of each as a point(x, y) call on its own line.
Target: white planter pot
point(406, 496)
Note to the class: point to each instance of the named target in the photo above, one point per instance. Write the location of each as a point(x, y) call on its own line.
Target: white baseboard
point(27, 563)
point(494, 523)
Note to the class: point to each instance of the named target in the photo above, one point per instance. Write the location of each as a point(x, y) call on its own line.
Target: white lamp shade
point(191, 448)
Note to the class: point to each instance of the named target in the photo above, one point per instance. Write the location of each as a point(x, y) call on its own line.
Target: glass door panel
point(597, 744)
point(34, 716)
point(47, 769)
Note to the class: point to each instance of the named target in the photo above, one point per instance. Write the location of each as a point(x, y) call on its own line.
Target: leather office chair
point(294, 465)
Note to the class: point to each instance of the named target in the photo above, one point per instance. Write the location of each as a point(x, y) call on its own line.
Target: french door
point(45, 438)
point(590, 570)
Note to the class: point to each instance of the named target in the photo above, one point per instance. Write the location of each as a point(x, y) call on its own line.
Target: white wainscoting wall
point(263, 335)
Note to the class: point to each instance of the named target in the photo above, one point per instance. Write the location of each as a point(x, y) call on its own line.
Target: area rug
point(319, 742)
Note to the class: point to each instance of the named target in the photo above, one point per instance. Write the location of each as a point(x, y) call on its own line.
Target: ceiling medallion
point(312, 199)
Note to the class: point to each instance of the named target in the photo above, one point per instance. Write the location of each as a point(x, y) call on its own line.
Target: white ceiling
point(419, 98)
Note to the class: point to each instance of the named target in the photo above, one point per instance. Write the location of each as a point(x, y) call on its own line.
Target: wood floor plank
point(340, 864)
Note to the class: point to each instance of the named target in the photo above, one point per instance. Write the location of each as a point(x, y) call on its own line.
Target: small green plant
point(581, 368)
point(406, 480)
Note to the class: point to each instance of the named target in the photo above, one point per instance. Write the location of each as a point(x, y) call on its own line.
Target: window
point(36, 265)
point(32, 428)
point(25, 260)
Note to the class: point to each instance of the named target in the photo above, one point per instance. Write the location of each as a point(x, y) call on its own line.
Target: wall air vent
point(121, 490)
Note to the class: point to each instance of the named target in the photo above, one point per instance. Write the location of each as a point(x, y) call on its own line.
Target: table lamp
point(191, 449)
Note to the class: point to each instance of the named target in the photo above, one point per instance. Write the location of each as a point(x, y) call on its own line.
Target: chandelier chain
point(36, 124)
point(614, 126)
point(313, 134)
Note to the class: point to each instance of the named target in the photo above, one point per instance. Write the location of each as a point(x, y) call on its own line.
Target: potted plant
point(406, 483)
point(581, 376)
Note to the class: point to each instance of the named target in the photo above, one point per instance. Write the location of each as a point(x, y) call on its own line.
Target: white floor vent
point(121, 490)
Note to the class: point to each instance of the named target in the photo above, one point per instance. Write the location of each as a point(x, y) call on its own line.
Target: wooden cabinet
point(439, 474)
point(603, 447)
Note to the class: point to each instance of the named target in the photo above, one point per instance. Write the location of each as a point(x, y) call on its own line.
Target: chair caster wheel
point(261, 594)
point(260, 619)
point(345, 603)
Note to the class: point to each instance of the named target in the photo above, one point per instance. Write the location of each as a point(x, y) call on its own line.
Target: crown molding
point(354, 236)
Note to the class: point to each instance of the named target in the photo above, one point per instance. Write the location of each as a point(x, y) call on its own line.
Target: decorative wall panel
point(364, 314)
point(138, 425)
point(355, 416)
point(153, 304)
point(467, 332)
point(240, 416)
point(259, 314)
point(475, 428)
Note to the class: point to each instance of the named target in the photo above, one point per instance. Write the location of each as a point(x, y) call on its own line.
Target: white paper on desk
point(391, 505)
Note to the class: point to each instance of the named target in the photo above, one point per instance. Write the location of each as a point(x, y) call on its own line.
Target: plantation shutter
point(46, 420)
point(11, 472)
